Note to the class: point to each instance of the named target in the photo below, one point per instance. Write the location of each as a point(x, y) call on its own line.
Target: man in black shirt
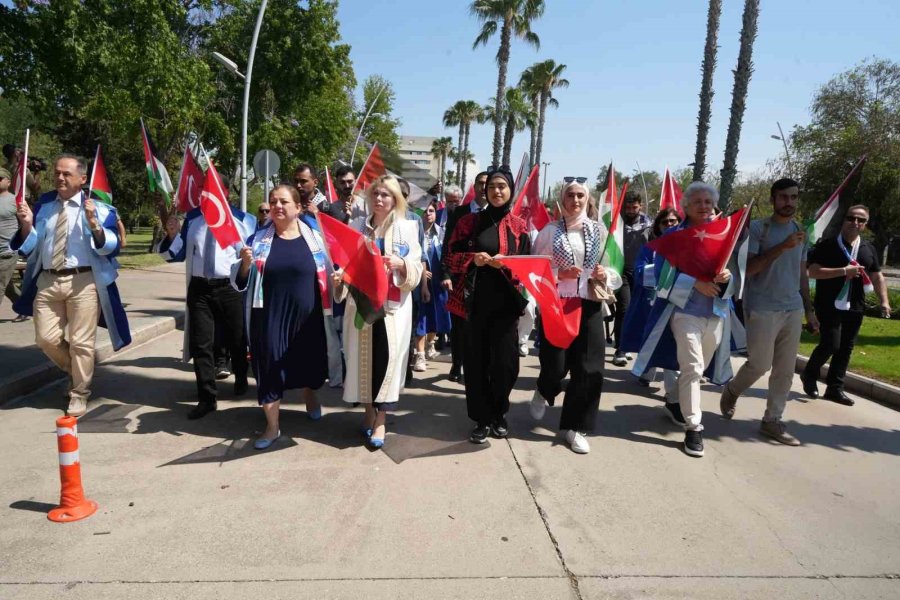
point(841, 267)
point(635, 234)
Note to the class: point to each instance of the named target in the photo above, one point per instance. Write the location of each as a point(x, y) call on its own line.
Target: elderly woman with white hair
point(574, 244)
point(689, 328)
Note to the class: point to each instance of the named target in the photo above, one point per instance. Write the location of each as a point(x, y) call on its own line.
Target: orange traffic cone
point(73, 506)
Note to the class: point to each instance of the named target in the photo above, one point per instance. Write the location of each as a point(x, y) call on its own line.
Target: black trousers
point(213, 304)
point(623, 299)
point(837, 336)
point(457, 342)
point(491, 365)
point(583, 360)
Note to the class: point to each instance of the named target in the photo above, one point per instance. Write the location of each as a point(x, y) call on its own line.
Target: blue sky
point(634, 69)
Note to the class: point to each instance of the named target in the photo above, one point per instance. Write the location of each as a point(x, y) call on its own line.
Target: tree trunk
point(465, 157)
point(459, 148)
point(539, 145)
point(738, 99)
point(532, 144)
point(706, 86)
point(502, 65)
point(508, 139)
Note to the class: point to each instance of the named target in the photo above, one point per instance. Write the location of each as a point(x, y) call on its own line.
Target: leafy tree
point(453, 118)
point(440, 149)
point(856, 113)
point(652, 180)
point(378, 96)
point(547, 75)
point(512, 18)
point(517, 114)
point(601, 184)
point(706, 86)
point(463, 114)
point(531, 88)
point(739, 98)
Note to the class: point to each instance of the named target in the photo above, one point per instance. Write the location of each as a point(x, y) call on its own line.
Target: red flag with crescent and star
point(358, 256)
point(190, 182)
point(560, 317)
point(216, 210)
point(702, 251)
point(372, 169)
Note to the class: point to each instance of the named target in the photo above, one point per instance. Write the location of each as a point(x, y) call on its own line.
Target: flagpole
point(644, 184)
point(23, 169)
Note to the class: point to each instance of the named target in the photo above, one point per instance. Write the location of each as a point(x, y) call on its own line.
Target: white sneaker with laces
point(523, 350)
point(431, 353)
point(77, 406)
point(577, 442)
point(420, 364)
point(538, 406)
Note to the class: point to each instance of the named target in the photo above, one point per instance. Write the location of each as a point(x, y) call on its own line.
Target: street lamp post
point(232, 67)
point(787, 153)
point(546, 182)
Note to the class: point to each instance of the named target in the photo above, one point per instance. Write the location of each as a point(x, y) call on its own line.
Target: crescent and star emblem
point(702, 235)
point(539, 281)
point(190, 194)
point(218, 204)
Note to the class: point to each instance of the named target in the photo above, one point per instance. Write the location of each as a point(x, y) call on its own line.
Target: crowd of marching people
point(290, 308)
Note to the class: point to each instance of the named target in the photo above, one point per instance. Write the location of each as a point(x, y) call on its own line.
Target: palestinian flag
point(613, 257)
point(816, 226)
point(157, 175)
point(99, 187)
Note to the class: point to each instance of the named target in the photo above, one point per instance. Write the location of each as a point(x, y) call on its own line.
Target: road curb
point(864, 386)
point(45, 373)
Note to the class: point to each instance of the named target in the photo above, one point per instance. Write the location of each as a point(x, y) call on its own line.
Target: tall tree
point(738, 99)
point(548, 75)
point(532, 91)
point(706, 86)
point(470, 112)
point(518, 115)
point(378, 97)
point(453, 118)
point(511, 18)
point(856, 113)
point(440, 150)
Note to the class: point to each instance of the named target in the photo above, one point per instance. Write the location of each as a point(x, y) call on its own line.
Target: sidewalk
point(188, 510)
point(153, 299)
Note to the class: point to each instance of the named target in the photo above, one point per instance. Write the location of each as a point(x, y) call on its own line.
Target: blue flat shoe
point(263, 443)
point(314, 415)
point(376, 443)
point(366, 432)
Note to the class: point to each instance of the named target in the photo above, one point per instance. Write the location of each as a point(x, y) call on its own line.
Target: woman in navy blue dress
point(433, 315)
point(283, 271)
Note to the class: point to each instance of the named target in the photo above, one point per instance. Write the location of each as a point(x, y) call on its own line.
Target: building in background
point(420, 166)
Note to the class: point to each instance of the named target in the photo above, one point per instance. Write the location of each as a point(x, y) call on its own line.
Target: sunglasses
point(263, 211)
point(575, 179)
point(671, 221)
point(861, 220)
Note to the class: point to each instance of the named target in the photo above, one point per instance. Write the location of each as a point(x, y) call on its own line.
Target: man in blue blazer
point(71, 241)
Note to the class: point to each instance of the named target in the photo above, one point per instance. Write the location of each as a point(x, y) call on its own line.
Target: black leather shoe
point(809, 387)
point(240, 387)
point(201, 410)
point(838, 395)
point(454, 374)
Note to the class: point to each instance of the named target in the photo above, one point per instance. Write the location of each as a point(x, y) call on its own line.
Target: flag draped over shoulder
point(190, 182)
point(99, 187)
point(216, 210)
point(157, 175)
point(528, 205)
point(358, 256)
point(614, 251)
point(671, 193)
point(816, 226)
point(701, 251)
point(560, 319)
point(372, 170)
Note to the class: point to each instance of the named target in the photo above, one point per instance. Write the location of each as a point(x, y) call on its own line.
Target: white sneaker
point(431, 353)
point(628, 356)
point(577, 442)
point(538, 406)
point(420, 364)
point(77, 406)
point(523, 350)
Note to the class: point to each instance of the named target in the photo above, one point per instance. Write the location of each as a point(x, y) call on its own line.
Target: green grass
point(135, 255)
point(876, 352)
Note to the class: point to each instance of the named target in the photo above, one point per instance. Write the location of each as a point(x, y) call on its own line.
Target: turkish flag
point(470, 195)
point(190, 182)
point(330, 192)
point(372, 170)
point(216, 210)
point(528, 204)
point(358, 256)
point(702, 251)
point(671, 194)
point(560, 318)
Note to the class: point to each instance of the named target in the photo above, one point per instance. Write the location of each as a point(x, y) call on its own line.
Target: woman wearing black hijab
point(492, 303)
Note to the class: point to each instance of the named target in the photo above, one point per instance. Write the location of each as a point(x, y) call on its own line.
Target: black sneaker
point(480, 434)
point(500, 429)
point(619, 359)
point(222, 372)
point(693, 443)
point(673, 410)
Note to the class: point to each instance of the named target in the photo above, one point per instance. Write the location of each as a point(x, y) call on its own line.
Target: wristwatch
point(97, 229)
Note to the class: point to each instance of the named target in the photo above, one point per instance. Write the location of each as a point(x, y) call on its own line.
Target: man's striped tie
point(60, 238)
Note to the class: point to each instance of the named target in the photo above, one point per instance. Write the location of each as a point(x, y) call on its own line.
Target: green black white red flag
point(157, 175)
point(99, 187)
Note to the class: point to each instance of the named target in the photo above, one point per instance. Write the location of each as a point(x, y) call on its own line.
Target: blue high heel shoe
point(314, 415)
point(263, 443)
point(376, 443)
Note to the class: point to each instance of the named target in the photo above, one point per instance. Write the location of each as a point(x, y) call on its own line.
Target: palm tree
point(548, 75)
point(738, 99)
point(532, 92)
point(470, 111)
point(706, 89)
point(440, 149)
point(512, 18)
point(453, 118)
point(518, 115)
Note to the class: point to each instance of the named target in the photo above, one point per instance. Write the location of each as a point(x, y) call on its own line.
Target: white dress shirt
point(77, 250)
point(196, 246)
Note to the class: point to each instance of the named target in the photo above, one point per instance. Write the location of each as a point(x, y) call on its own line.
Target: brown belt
point(72, 271)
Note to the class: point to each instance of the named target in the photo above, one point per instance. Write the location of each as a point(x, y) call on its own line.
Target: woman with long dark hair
point(492, 302)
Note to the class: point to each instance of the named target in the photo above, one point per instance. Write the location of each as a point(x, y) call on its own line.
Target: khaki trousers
point(696, 340)
point(68, 301)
